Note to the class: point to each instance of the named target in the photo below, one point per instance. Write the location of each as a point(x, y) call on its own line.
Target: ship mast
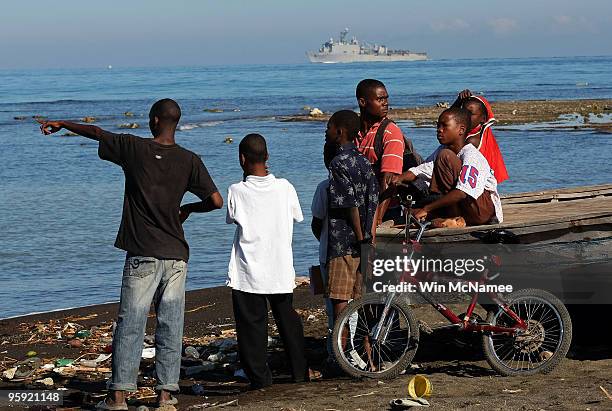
point(343, 34)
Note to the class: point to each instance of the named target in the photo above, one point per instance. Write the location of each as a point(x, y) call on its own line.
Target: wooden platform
point(564, 215)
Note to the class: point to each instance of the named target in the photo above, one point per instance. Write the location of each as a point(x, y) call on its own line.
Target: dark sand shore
point(461, 378)
point(506, 112)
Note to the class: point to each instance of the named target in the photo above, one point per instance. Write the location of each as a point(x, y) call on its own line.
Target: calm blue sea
point(61, 205)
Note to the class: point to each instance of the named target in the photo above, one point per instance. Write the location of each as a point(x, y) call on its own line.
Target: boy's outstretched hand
point(49, 127)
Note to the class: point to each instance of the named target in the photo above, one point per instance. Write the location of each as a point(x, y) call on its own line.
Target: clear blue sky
point(70, 33)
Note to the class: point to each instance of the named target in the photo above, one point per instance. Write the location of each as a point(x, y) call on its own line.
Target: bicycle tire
point(411, 336)
point(561, 348)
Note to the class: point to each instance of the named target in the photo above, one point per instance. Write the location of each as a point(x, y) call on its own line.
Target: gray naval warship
point(345, 51)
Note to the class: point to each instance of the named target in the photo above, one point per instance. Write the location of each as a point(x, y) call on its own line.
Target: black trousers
point(251, 315)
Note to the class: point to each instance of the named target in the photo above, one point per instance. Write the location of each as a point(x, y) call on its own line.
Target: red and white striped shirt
point(393, 148)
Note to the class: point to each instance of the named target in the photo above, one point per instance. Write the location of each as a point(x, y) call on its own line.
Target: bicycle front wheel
point(365, 346)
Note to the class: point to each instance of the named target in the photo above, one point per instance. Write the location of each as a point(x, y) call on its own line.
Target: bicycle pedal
point(424, 327)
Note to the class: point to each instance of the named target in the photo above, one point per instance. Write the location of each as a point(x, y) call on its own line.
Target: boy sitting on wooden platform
point(460, 175)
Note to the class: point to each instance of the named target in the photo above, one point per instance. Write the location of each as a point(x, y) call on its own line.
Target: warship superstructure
point(351, 51)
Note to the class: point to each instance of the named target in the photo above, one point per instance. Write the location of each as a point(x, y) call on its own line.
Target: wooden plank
point(558, 195)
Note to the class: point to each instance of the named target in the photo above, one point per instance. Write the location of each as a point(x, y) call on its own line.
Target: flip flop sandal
point(405, 403)
point(314, 375)
point(104, 406)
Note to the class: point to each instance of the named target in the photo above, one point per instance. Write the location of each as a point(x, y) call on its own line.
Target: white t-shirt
point(319, 210)
point(476, 176)
point(264, 209)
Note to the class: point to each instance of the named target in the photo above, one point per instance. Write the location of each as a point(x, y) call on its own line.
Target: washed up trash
point(241, 374)
point(192, 352)
point(47, 382)
point(129, 125)
point(76, 343)
point(196, 369)
point(65, 371)
point(82, 334)
point(226, 344)
point(420, 386)
point(9, 374)
point(606, 393)
point(231, 357)
point(198, 389)
point(545, 355)
point(48, 367)
point(63, 362)
point(315, 112)
point(148, 353)
point(508, 391)
point(142, 408)
point(149, 340)
point(218, 357)
point(405, 403)
point(443, 104)
point(30, 354)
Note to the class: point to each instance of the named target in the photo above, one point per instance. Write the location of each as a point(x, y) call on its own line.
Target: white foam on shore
point(57, 310)
point(191, 126)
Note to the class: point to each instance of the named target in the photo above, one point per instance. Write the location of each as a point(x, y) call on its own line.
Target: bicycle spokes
point(531, 348)
point(363, 349)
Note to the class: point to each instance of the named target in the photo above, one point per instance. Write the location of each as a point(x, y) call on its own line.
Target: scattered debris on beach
point(315, 112)
point(506, 112)
point(210, 363)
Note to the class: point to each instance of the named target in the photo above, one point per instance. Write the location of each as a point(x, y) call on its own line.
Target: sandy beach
point(461, 378)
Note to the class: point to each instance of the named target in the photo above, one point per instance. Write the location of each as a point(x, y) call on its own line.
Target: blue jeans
point(147, 279)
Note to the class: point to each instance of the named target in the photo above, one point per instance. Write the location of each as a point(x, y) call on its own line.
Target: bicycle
point(377, 336)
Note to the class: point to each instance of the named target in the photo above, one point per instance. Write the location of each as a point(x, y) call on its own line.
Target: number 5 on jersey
point(471, 173)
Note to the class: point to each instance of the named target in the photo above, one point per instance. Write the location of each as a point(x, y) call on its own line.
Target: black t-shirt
point(156, 178)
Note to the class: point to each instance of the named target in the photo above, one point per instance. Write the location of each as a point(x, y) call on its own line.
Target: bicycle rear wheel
point(541, 347)
point(355, 349)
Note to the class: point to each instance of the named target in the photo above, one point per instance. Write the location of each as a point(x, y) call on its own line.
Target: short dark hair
point(364, 87)
point(481, 106)
point(166, 110)
point(461, 116)
point(348, 120)
point(254, 149)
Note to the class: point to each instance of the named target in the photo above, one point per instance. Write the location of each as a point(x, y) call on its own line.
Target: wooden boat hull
point(563, 215)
